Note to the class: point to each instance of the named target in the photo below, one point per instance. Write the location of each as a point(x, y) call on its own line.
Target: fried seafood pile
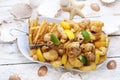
point(81, 45)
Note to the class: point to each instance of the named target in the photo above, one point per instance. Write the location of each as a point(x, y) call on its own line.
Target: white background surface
point(13, 62)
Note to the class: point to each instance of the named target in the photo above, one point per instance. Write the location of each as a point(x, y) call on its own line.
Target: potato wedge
point(91, 67)
point(102, 59)
point(68, 66)
point(51, 55)
point(32, 52)
point(56, 63)
point(75, 62)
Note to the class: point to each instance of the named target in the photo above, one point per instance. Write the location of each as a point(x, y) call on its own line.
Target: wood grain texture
point(29, 72)
point(10, 54)
point(114, 47)
point(13, 62)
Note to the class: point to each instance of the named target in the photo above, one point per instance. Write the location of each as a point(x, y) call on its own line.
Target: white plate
point(23, 44)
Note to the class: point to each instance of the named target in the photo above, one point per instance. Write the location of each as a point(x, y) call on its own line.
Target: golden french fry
point(45, 30)
point(37, 19)
point(32, 23)
point(51, 25)
point(52, 28)
point(30, 38)
point(30, 32)
point(40, 30)
point(34, 28)
point(34, 31)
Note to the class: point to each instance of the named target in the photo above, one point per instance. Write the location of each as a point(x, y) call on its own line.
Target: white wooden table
point(13, 62)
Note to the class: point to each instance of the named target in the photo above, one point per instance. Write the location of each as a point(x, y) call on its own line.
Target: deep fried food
point(80, 45)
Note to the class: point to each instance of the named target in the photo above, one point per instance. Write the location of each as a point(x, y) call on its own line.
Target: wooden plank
point(29, 72)
point(9, 54)
point(114, 47)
